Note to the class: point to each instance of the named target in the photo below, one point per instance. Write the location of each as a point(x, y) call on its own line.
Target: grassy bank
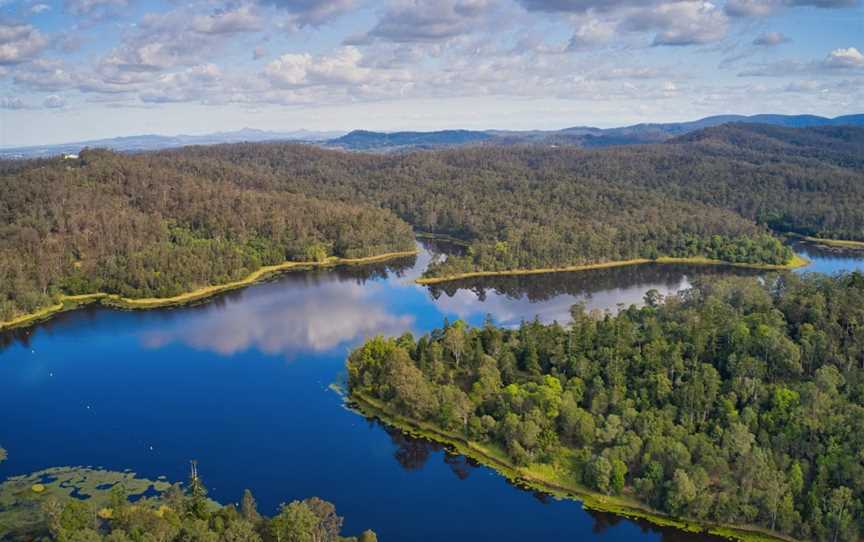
point(547, 479)
point(796, 262)
point(70, 302)
point(836, 243)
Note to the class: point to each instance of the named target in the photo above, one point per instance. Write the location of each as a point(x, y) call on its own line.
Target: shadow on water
point(537, 288)
point(413, 453)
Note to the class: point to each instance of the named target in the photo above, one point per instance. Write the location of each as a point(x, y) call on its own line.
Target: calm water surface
point(241, 383)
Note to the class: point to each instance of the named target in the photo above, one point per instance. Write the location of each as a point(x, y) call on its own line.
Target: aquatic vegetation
point(82, 503)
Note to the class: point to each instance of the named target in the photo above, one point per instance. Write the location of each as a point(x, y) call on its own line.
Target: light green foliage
point(295, 523)
point(709, 406)
point(173, 515)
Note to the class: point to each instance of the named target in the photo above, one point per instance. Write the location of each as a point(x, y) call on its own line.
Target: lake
point(242, 384)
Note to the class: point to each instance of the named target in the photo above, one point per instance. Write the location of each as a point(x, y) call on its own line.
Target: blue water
point(241, 384)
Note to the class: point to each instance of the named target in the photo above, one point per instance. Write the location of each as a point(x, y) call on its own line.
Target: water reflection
point(149, 390)
point(303, 312)
point(550, 296)
point(829, 260)
point(413, 454)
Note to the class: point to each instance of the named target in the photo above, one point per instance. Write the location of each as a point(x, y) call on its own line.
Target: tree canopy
point(740, 401)
point(160, 224)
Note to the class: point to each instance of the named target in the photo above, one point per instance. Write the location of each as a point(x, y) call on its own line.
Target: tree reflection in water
point(412, 453)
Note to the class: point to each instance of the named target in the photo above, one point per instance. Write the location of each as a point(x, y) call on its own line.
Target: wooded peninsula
point(733, 407)
point(159, 225)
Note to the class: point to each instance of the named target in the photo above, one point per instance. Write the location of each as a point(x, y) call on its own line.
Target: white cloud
point(89, 7)
point(20, 43)
point(12, 102)
point(682, 23)
point(36, 9)
point(407, 21)
point(770, 39)
point(242, 19)
point(54, 102)
point(340, 68)
point(845, 58)
point(312, 13)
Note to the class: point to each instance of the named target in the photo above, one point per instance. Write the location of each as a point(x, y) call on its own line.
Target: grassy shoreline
point(835, 243)
point(71, 302)
point(536, 478)
point(796, 262)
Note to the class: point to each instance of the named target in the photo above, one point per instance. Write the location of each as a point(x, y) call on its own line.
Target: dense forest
point(179, 514)
point(140, 227)
point(720, 192)
point(159, 224)
point(739, 401)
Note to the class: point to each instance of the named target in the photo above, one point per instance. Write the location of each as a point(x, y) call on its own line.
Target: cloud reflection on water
point(287, 318)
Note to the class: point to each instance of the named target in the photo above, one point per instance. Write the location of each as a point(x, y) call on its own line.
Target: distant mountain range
point(364, 140)
point(581, 136)
point(142, 143)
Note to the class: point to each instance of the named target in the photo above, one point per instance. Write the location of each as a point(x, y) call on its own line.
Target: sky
point(73, 70)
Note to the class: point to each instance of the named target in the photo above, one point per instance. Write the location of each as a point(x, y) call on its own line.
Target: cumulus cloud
point(582, 6)
point(312, 12)
point(682, 23)
point(177, 38)
point(407, 21)
point(54, 102)
point(242, 19)
point(90, 7)
point(763, 8)
point(20, 43)
point(837, 62)
point(12, 102)
point(340, 68)
point(848, 58)
point(770, 39)
point(36, 9)
point(671, 22)
point(591, 31)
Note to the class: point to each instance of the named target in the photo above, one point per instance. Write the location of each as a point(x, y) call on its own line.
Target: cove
point(242, 384)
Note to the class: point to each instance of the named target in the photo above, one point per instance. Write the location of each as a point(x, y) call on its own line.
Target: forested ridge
point(740, 401)
point(720, 192)
point(140, 227)
point(160, 224)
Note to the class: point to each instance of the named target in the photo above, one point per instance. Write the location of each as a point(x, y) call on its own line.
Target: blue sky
point(83, 69)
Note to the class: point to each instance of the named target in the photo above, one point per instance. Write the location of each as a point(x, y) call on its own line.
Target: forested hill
point(739, 402)
point(713, 193)
point(159, 224)
point(140, 226)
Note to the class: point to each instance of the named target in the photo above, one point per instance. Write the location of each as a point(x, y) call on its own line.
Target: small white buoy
point(50, 374)
point(151, 448)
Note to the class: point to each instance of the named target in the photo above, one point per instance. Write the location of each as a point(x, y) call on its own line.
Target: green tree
point(249, 508)
point(198, 504)
point(295, 522)
point(618, 477)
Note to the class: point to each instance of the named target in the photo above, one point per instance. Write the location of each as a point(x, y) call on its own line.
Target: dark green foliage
point(739, 401)
point(179, 516)
point(160, 224)
point(141, 226)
